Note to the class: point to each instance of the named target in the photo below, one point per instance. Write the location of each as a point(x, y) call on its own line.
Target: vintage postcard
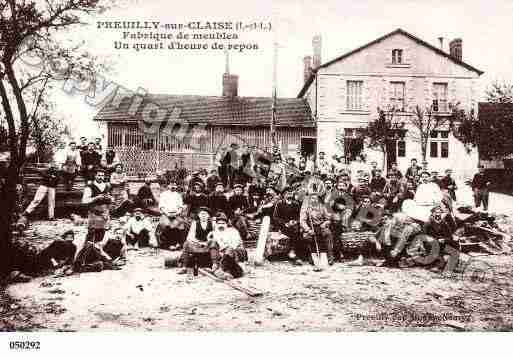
point(261, 166)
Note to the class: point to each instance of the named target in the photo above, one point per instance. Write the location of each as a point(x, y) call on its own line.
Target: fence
point(140, 163)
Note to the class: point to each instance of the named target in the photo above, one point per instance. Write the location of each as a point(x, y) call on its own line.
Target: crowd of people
point(210, 217)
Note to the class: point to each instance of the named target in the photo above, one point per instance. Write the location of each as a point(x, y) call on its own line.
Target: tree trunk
point(9, 195)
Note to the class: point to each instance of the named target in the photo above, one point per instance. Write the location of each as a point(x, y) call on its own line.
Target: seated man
point(217, 202)
point(195, 249)
point(441, 226)
point(195, 199)
point(138, 230)
point(226, 249)
point(93, 258)
point(314, 219)
point(172, 228)
point(377, 186)
point(238, 204)
point(115, 247)
point(119, 191)
point(286, 220)
point(145, 198)
point(31, 263)
point(392, 193)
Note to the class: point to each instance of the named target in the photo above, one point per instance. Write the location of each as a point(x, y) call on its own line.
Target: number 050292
point(24, 345)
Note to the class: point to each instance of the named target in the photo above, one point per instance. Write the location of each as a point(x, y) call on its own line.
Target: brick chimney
point(230, 81)
point(456, 49)
point(307, 67)
point(316, 45)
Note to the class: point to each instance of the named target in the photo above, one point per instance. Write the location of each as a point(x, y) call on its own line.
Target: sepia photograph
point(263, 166)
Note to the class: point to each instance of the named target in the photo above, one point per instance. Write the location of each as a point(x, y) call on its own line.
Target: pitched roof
point(213, 110)
point(395, 32)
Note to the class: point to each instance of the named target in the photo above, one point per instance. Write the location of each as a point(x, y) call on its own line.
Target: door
point(308, 146)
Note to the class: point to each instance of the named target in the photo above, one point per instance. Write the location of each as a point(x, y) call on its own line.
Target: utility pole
point(274, 142)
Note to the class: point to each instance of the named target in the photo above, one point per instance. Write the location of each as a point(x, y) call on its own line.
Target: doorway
point(308, 146)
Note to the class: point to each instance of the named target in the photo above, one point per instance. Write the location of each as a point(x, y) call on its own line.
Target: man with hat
point(212, 179)
point(314, 219)
point(196, 252)
point(217, 202)
point(119, 190)
point(71, 165)
point(480, 186)
point(171, 230)
point(195, 179)
point(323, 165)
point(91, 161)
point(286, 221)
point(145, 198)
point(238, 204)
point(138, 230)
point(226, 249)
point(392, 193)
point(377, 185)
point(448, 185)
point(195, 198)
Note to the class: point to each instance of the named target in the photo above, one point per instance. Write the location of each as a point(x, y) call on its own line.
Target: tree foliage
point(30, 59)
point(500, 93)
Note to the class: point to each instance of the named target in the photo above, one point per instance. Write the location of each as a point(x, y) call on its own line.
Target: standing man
point(480, 187)
point(448, 185)
point(91, 161)
point(377, 185)
point(413, 170)
point(98, 201)
point(71, 165)
point(48, 184)
point(323, 165)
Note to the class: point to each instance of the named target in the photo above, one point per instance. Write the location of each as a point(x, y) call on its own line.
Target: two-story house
point(398, 71)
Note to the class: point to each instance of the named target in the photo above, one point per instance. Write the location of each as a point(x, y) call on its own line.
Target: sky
point(485, 27)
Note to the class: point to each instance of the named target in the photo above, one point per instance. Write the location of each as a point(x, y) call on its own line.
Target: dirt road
point(146, 296)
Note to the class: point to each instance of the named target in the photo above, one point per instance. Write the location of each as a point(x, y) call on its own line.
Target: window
point(401, 148)
point(354, 95)
point(397, 56)
point(397, 95)
point(440, 97)
point(439, 145)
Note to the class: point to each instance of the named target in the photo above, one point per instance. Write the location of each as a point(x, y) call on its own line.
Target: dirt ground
point(145, 296)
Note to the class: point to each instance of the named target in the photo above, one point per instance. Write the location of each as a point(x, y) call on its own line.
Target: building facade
point(397, 71)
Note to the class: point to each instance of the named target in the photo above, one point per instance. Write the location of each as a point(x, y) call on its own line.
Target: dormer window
point(397, 56)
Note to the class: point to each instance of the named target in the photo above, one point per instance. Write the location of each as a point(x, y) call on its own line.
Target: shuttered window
point(354, 95)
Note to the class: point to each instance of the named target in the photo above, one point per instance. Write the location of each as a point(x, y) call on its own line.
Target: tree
point(500, 93)
point(424, 122)
point(28, 29)
point(465, 127)
point(382, 131)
